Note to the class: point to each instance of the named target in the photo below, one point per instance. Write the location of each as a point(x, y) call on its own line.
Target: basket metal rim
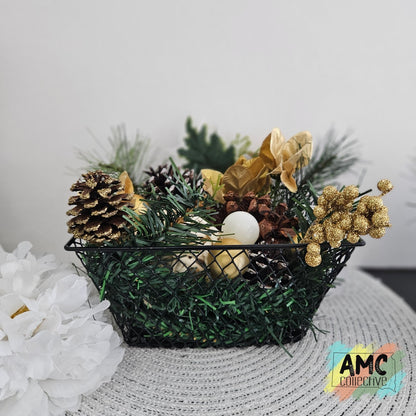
point(69, 246)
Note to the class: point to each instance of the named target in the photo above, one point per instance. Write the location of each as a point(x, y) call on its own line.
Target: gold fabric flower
point(285, 158)
point(247, 175)
point(253, 175)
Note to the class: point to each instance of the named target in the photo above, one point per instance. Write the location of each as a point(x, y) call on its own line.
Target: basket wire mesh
point(211, 296)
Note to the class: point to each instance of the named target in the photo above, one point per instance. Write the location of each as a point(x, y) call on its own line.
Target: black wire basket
point(211, 296)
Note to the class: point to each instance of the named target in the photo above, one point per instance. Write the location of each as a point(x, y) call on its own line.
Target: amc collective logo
point(361, 370)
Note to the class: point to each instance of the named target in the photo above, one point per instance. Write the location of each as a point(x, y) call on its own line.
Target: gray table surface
point(265, 380)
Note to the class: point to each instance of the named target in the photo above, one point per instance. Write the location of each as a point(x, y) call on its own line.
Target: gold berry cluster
point(339, 218)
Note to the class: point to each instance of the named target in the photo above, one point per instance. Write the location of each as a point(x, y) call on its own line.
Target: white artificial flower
point(53, 348)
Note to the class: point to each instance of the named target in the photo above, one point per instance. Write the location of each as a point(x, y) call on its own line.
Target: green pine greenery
point(173, 220)
point(332, 157)
point(121, 155)
point(202, 151)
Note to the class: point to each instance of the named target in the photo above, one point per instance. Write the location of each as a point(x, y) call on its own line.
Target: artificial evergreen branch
point(202, 151)
point(333, 157)
point(122, 155)
point(301, 206)
point(173, 220)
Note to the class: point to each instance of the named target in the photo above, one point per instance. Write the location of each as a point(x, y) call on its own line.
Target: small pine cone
point(232, 203)
point(256, 206)
point(97, 214)
point(268, 270)
point(275, 226)
point(162, 180)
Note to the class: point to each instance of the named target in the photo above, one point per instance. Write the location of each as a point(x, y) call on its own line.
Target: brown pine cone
point(97, 214)
point(163, 180)
point(275, 226)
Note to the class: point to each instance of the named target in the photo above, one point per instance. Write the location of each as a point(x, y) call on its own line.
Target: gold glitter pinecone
point(97, 214)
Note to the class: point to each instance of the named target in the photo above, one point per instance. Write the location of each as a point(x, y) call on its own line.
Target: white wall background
point(239, 66)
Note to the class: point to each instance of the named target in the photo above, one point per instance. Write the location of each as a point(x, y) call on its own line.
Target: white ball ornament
point(242, 226)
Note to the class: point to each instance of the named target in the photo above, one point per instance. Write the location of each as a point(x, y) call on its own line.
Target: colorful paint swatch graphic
point(361, 370)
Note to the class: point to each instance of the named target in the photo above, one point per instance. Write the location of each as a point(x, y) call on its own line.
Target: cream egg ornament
point(229, 263)
point(186, 262)
point(193, 260)
point(206, 237)
point(242, 226)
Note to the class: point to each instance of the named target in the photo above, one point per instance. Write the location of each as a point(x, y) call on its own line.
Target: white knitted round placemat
point(265, 380)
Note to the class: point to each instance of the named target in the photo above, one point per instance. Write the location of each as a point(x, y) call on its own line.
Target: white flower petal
point(57, 349)
point(4, 378)
point(22, 249)
point(5, 348)
point(33, 402)
point(10, 303)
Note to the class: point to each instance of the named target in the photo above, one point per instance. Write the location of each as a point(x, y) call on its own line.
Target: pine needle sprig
point(173, 220)
point(123, 155)
point(332, 158)
point(164, 224)
point(202, 151)
point(301, 206)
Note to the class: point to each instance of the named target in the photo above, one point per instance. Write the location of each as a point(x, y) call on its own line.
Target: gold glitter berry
point(384, 186)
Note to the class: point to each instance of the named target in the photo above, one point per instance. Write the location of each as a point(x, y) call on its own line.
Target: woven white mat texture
point(265, 380)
